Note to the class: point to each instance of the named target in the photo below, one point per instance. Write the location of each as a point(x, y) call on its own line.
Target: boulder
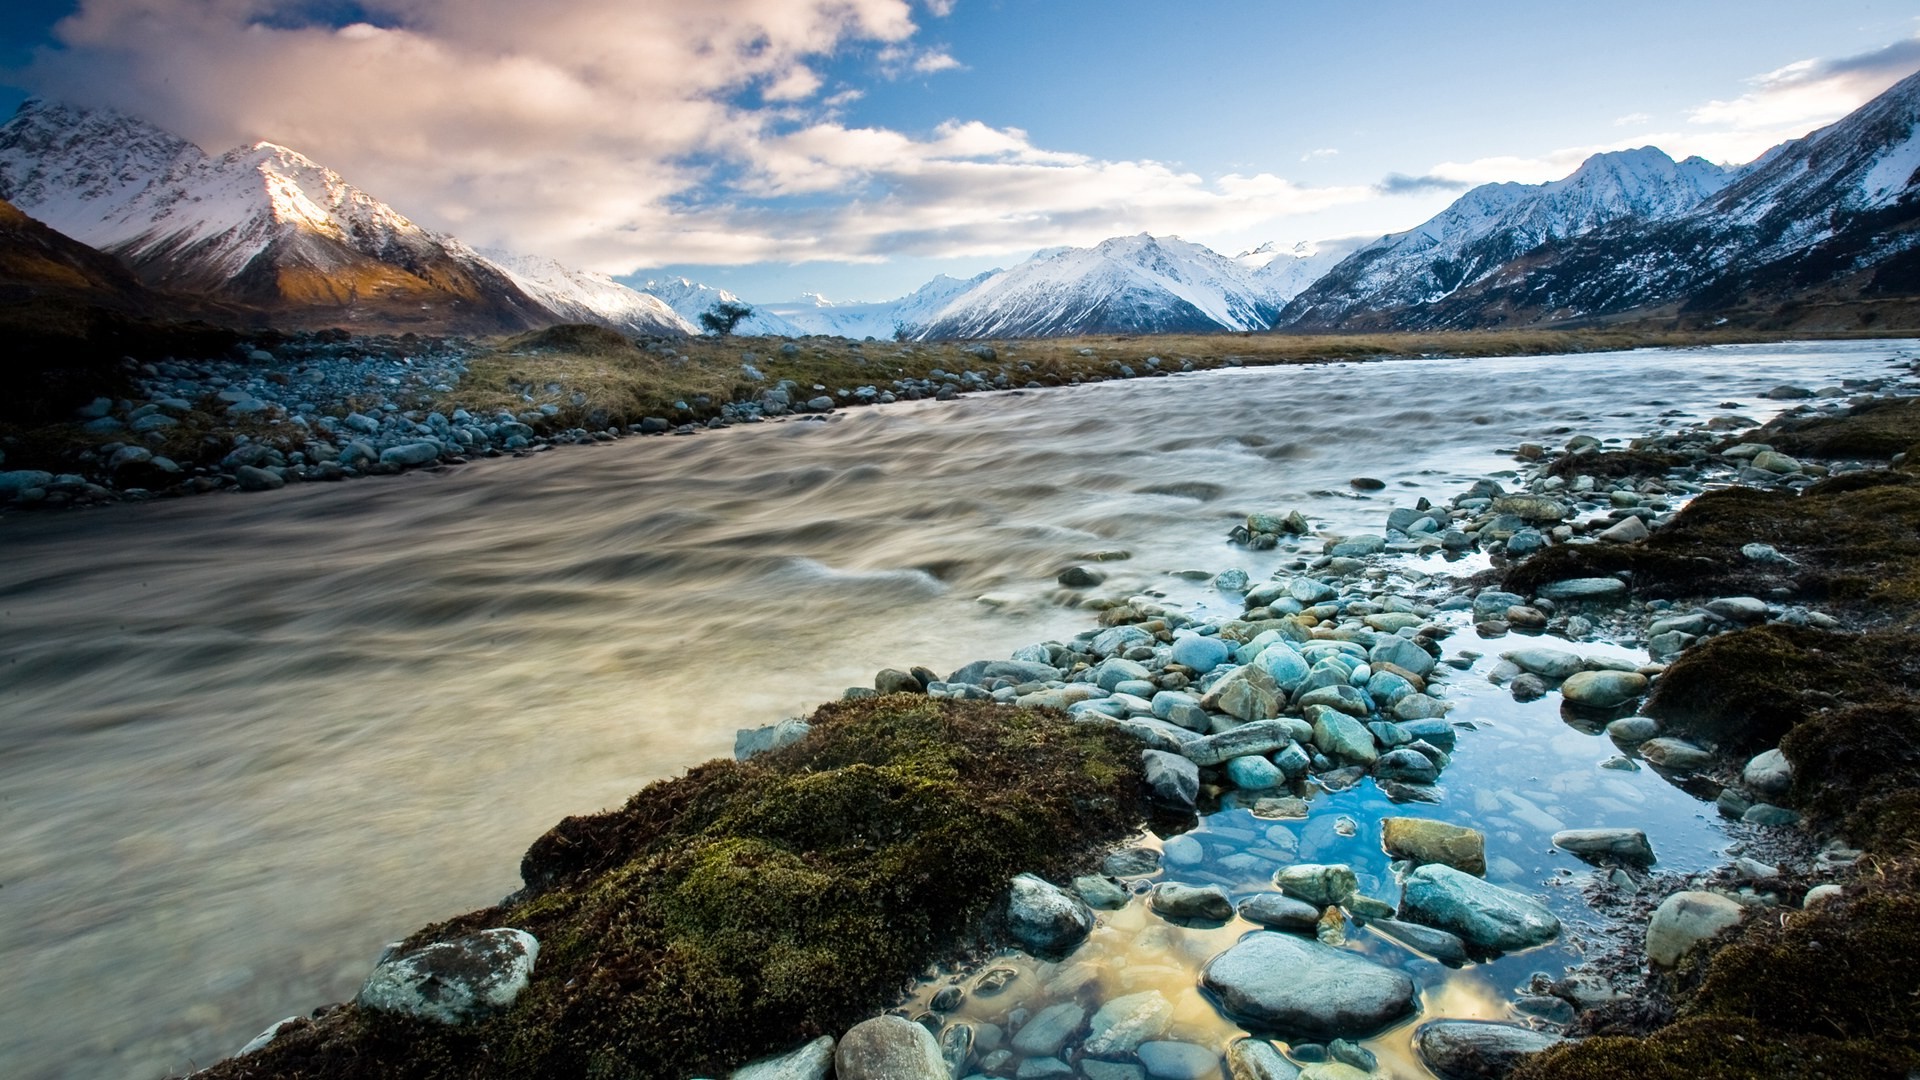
point(1686, 919)
point(814, 1061)
point(1604, 845)
point(1174, 780)
point(1478, 1049)
point(454, 982)
point(888, 1048)
point(1484, 915)
point(1422, 841)
point(1603, 689)
point(1203, 902)
point(1045, 919)
point(1299, 988)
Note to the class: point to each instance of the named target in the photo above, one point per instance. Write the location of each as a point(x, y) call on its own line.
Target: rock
point(454, 982)
point(1603, 845)
point(1179, 1061)
point(1049, 1029)
point(1323, 885)
point(1676, 755)
point(1174, 780)
point(1080, 577)
point(1769, 773)
point(1578, 589)
point(1100, 892)
point(1422, 841)
point(1202, 654)
point(253, 479)
point(1407, 766)
point(1247, 693)
point(1628, 530)
point(264, 1039)
point(1259, 737)
point(1252, 773)
point(814, 1061)
point(1630, 730)
point(1685, 919)
point(1367, 483)
point(1484, 915)
point(1739, 609)
point(1257, 1059)
point(1341, 737)
point(1768, 814)
point(1822, 894)
point(1478, 1049)
point(1402, 654)
point(410, 454)
point(1301, 989)
point(1342, 696)
point(888, 1048)
point(1044, 918)
point(1122, 1024)
point(748, 742)
point(1277, 911)
point(1538, 509)
point(823, 403)
point(894, 681)
point(1442, 946)
point(1775, 462)
point(1105, 1070)
point(1334, 1070)
point(1175, 901)
point(1117, 640)
point(1546, 663)
point(1133, 862)
point(1603, 689)
point(1183, 850)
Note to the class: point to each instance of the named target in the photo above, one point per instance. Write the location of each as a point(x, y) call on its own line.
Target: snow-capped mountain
point(579, 296)
point(264, 226)
point(1286, 273)
point(691, 299)
point(884, 320)
point(1493, 224)
point(1129, 284)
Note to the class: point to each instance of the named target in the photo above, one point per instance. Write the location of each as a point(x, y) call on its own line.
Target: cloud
point(1812, 92)
point(1631, 120)
point(1402, 184)
point(1320, 154)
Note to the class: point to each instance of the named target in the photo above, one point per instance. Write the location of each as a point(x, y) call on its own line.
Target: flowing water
point(246, 740)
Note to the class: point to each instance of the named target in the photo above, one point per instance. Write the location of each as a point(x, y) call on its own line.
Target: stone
point(454, 982)
point(1117, 640)
point(1628, 530)
point(1774, 461)
point(888, 1048)
point(1285, 666)
point(255, 479)
point(1686, 919)
point(1100, 892)
point(1111, 672)
point(1403, 654)
point(894, 681)
point(1631, 730)
point(1174, 780)
point(1478, 1049)
point(1247, 693)
point(1768, 773)
point(1183, 851)
point(1739, 609)
point(1259, 737)
point(1603, 689)
point(814, 1061)
point(1049, 1029)
point(1607, 845)
point(1334, 1070)
point(1341, 737)
point(1257, 1059)
point(1676, 755)
point(410, 454)
point(1769, 814)
point(1537, 509)
point(1123, 1023)
point(1342, 696)
point(1447, 948)
point(1201, 653)
point(1484, 915)
point(1179, 1061)
point(1277, 911)
point(1171, 900)
point(1080, 577)
point(1253, 773)
point(264, 1039)
point(747, 742)
point(1133, 862)
point(1406, 765)
point(1105, 1070)
point(1320, 884)
point(1579, 589)
point(1044, 918)
point(1546, 663)
point(1301, 989)
point(1422, 841)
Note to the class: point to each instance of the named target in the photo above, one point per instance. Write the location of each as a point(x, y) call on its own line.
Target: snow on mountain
point(884, 320)
point(579, 296)
point(1492, 224)
point(1129, 284)
point(1285, 274)
point(691, 299)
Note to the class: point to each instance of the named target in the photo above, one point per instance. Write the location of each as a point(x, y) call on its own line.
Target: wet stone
point(1607, 845)
point(1421, 841)
point(888, 1048)
point(1256, 1059)
point(1175, 901)
point(1319, 884)
point(1478, 1049)
point(1447, 948)
point(1603, 689)
point(1299, 988)
point(814, 1061)
point(1049, 1029)
point(1676, 755)
point(1277, 911)
point(1133, 862)
point(1179, 1061)
point(1044, 918)
point(1122, 1024)
point(454, 982)
point(1685, 919)
point(1484, 915)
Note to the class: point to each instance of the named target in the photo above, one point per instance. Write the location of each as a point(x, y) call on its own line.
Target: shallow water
point(249, 739)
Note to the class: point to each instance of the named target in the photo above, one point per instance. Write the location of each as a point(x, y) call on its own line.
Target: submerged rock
point(1049, 1029)
point(1299, 988)
point(454, 982)
point(1277, 911)
point(1257, 1059)
point(1439, 944)
point(1484, 915)
point(1122, 1024)
point(1179, 1061)
point(1422, 840)
point(888, 1048)
point(1320, 885)
point(1175, 901)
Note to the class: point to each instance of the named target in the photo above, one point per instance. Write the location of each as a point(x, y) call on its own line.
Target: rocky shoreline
point(1331, 676)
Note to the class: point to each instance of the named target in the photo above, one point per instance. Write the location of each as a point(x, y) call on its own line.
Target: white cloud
point(1631, 120)
point(1320, 155)
point(1811, 93)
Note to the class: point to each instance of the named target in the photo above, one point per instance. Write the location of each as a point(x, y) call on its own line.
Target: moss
point(1858, 767)
point(1741, 692)
point(1616, 464)
point(1876, 429)
point(745, 907)
point(1718, 1049)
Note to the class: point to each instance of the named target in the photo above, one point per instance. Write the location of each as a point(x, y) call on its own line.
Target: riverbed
point(251, 738)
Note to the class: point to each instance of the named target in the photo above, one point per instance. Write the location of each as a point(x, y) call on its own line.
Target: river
point(246, 740)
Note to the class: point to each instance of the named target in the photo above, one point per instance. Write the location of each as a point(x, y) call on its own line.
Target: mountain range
point(1821, 231)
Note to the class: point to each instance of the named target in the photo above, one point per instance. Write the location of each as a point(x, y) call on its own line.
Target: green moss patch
point(745, 907)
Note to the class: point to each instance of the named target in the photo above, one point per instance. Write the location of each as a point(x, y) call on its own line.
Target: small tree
point(724, 316)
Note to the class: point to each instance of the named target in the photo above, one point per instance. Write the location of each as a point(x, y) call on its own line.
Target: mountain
point(1490, 226)
point(578, 296)
point(37, 263)
point(814, 314)
point(1283, 275)
point(1126, 285)
point(267, 228)
point(691, 299)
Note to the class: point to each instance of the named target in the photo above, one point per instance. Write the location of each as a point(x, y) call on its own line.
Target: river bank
point(1332, 680)
point(327, 406)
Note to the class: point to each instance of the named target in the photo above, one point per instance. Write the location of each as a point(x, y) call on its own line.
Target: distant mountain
point(578, 296)
point(691, 299)
point(261, 226)
point(1490, 226)
point(37, 262)
point(884, 320)
point(1126, 285)
point(1285, 274)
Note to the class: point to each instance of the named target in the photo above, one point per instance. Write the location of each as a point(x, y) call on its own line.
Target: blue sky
point(856, 147)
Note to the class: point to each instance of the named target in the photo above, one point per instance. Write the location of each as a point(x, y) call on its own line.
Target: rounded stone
point(1603, 689)
point(1299, 988)
point(1201, 653)
point(1478, 1049)
point(1684, 920)
point(1422, 841)
point(1484, 915)
point(454, 982)
point(1172, 900)
point(1602, 845)
point(1045, 918)
point(888, 1048)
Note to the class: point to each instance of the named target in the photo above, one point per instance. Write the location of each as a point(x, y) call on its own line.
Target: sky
point(854, 148)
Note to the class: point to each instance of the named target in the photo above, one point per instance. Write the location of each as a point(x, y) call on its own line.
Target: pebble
point(1278, 911)
point(813, 1061)
point(1172, 900)
point(1676, 755)
point(1323, 885)
point(1422, 840)
point(1478, 1049)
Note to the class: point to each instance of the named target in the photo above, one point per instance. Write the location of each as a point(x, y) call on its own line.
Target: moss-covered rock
point(748, 906)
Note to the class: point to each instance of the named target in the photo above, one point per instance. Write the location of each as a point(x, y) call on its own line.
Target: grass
point(746, 907)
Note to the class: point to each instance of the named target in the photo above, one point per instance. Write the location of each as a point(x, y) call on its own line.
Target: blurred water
point(249, 739)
